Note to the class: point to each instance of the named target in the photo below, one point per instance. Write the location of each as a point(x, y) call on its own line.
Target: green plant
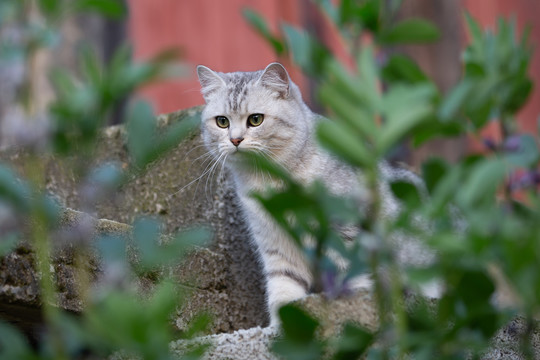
point(115, 317)
point(475, 221)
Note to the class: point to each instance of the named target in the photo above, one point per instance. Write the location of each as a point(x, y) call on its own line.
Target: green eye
point(222, 122)
point(255, 119)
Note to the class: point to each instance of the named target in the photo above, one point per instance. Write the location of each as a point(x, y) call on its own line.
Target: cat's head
point(259, 111)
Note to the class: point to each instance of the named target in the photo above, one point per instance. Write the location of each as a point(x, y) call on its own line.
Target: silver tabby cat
point(263, 111)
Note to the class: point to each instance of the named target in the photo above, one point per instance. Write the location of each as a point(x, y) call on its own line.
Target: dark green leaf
point(298, 341)
point(114, 9)
point(518, 95)
point(352, 343)
point(50, 7)
point(297, 325)
point(410, 31)
point(406, 193)
point(401, 68)
point(433, 170)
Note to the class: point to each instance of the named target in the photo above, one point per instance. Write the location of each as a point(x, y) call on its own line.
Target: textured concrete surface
point(229, 279)
point(255, 343)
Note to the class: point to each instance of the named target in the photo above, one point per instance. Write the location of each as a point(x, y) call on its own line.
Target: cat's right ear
point(209, 80)
point(276, 78)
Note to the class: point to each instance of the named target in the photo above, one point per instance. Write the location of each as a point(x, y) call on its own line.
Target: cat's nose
point(237, 141)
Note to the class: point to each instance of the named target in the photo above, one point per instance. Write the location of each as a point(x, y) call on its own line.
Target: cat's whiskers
point(220, 161)
point(194, 148)
point(205, 158)
point(213, 166)
point(206, 170)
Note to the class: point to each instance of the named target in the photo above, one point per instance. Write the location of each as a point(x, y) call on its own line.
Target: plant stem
point(41, 244)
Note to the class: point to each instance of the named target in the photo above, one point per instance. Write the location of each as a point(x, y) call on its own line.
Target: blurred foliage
point(479, 214)
point(116, 316)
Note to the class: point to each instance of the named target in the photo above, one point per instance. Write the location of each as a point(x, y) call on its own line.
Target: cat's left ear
point(275, 77)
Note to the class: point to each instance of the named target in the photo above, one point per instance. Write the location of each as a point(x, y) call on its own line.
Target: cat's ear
point(275, 77)
point(209, 80)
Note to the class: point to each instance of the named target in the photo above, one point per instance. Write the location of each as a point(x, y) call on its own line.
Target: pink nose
point(236, 141)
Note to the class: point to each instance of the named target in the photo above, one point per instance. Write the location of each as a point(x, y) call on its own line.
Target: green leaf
point(407, 193)
point(433, 171)
point(401, 115)
point(154, 250)
point(454, 101)
point(146, 142)
point(257, 162)
point(13, 345)
point(297, 325)
point(13, 190)
point(114, 9)
point(50, 8)
point(8, 242)
point(258, 22)
point(112, 249)
point(474, 29)
point(347, 111)
point(352, 343)
point(91, 66)
point(401, 68)
point(146, 239)
point(299, 341)
point(369, 72)
point(329, 9)
point(141, 129)
point(307, 52)
point(410, 31)
point(482, 183)
point(342, 142)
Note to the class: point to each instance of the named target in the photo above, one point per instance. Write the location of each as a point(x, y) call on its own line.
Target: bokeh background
point(214, 33)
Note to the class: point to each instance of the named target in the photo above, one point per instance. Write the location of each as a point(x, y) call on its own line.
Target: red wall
point(208, 32)
point(214, 33)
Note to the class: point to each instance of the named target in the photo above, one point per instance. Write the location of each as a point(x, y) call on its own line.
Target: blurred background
point(215, 33)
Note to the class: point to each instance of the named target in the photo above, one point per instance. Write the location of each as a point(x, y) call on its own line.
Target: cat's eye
point(255, 119)
point(222, 122)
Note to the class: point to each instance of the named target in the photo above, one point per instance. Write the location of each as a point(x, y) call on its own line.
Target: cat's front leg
point(288, 276)
point(282, 287)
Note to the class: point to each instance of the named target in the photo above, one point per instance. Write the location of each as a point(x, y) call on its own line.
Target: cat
point(263, 111)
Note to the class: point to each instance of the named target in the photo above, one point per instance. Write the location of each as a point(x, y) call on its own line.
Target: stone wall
point(225, 278)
